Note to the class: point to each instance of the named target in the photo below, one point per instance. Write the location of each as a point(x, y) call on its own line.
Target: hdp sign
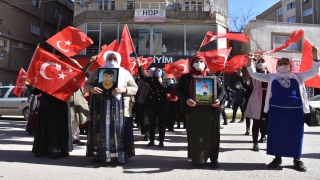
point(150, 15)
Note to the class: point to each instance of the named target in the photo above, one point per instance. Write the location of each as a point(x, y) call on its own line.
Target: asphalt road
point(237, 160)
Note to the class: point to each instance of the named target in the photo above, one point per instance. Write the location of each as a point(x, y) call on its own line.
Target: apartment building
point(23, 25)
point(164, 29)
point(293, 11)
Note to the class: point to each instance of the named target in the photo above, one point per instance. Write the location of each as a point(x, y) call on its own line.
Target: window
point(3, 92)
point(36, 3)
point(291, 5)
point(306, 12)
point(2, 43)
point(112, 5)
point(34, 30)
point(280, 39)
point(279, 12)
point(0, 21)
point(292, 19)
point(103, 5)
point(46, 34)
point(70, 20)
point(130, 5)
point(193, 6)
point(56, 12)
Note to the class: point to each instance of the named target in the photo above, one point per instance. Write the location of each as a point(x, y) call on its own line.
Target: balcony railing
point(111, 5)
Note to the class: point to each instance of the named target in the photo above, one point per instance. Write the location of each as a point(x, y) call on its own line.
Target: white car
point(315, 101)
point(10, 104)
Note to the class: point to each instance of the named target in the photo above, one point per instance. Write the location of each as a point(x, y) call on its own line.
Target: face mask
point(237, 86)
point(283, 69)
point(199, 66)
point(171, 81)
point(157, 74)
point(112, 64)
point(261, 65)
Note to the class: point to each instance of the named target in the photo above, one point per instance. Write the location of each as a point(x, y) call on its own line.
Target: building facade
point(293, 11)
point(23, 25)
point(166, 30)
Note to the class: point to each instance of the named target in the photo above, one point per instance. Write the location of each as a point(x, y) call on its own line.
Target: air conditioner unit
point(2, 42)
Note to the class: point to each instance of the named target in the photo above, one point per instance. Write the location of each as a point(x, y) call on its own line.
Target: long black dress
point(51, 136)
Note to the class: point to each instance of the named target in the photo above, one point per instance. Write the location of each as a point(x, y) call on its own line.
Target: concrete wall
point(260, 33)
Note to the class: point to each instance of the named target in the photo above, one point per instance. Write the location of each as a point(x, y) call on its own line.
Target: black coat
point(239, 96)
point(157, 96)
point(182, 90)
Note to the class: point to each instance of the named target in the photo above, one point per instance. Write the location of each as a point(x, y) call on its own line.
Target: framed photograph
point(108, 78)
point(204, 90)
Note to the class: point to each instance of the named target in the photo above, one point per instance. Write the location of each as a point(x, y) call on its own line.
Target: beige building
point(23, 25)
point(164, 29)
point(267, 35)
point(293, 11)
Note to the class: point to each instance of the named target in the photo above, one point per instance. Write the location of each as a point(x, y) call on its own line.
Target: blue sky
point(258, 5)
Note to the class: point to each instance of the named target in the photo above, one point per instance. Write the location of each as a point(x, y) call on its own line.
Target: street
point(237, 160)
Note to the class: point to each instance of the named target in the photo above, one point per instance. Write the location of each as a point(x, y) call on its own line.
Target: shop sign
point(150, 15)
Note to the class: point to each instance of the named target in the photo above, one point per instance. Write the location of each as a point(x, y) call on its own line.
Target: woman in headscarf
point(156, 102)
point(202, 124)
point(109, 136)
point(286, 102)
point(174, 104)
point(143, 90)
point(256, 104)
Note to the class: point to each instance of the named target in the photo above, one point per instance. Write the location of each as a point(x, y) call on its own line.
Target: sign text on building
point(150, 15)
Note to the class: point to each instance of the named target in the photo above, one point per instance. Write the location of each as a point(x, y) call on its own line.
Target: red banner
point(20, 87)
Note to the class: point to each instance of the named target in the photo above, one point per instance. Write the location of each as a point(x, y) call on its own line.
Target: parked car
point(315, 101)
point(10, 104)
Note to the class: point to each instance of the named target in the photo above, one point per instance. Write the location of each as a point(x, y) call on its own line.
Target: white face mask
point(261, 65)
point(112, 64)
point(199, 66)
point(283, 69)
point(171, 81)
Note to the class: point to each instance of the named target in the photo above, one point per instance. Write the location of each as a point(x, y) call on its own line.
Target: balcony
point(197, 12)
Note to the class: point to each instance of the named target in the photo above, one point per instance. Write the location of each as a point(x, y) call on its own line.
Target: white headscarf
point(151, 72)
point(124, 75)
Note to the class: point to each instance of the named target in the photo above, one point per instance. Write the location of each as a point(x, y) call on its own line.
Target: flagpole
point(58, 28)
point(202, 42)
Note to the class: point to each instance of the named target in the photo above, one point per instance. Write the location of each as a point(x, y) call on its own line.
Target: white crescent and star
point(68, 43)
point(214, 38)
point(184, 68)
point(45, 65)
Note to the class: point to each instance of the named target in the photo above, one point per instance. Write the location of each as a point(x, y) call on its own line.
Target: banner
point(149, 15)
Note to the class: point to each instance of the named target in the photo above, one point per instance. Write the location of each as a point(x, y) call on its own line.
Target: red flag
point(271, 63)
point(306, 64)
point(126, 48)
point(53, 76)
point(211, 36)
point(145, 63)
point(19, 87)
point(70, 41)
point(216, 59)
point(178, 68)
point(295, 36)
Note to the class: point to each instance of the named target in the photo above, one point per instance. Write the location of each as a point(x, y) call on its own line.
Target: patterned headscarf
point(193, 71)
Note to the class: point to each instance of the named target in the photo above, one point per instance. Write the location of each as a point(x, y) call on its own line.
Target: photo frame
point(108, 77)
point(204, 90)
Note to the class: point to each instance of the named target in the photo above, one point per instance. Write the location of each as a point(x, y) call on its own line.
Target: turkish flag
point(20, 87)
point(53, 76)
point(216, 59)
point(126, 48)
point(145, 63)
point(178, 68)
point(295, 36)
point(271, 63)
point(70, 41)
point(212, 36)
point(306, 64)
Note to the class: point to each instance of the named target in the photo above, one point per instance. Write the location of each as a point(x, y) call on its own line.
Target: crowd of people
point(155, 102)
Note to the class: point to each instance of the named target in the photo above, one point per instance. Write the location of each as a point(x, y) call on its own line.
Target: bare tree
point(240, 19)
